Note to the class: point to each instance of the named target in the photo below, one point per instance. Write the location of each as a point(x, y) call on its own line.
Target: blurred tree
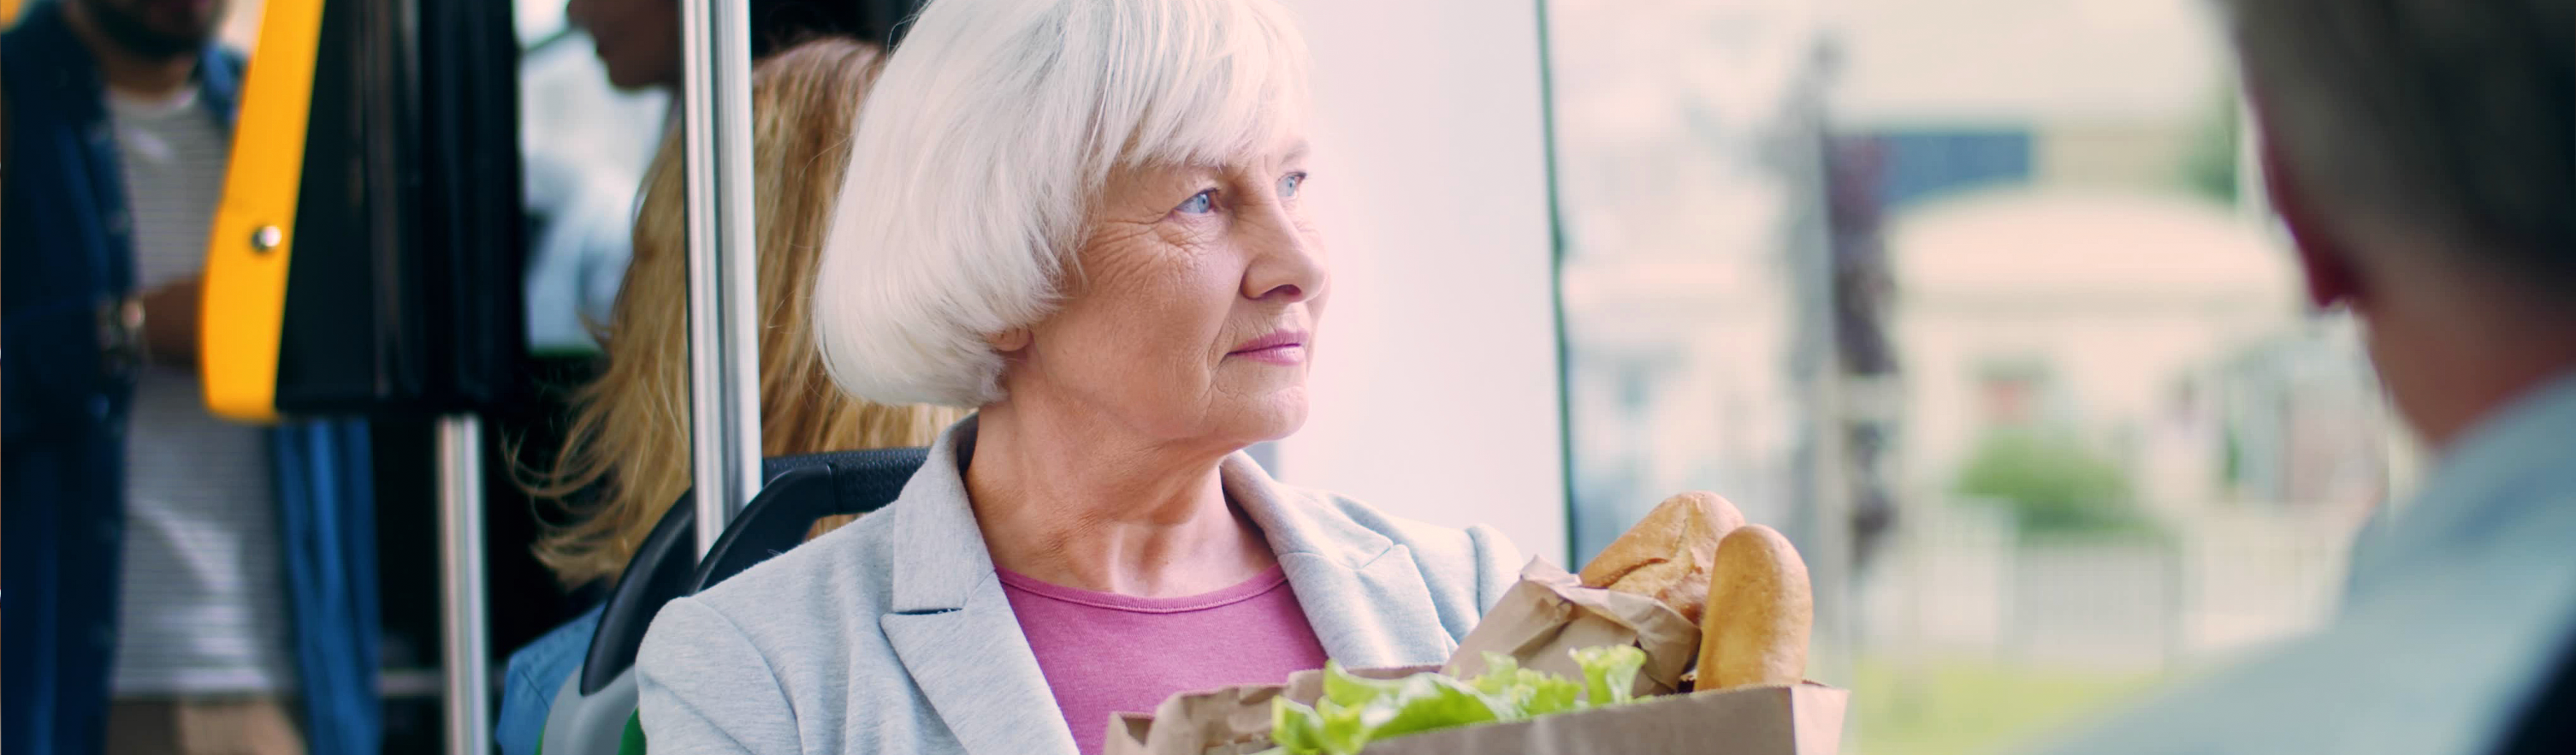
point(2053, 486)
point(2209, 168)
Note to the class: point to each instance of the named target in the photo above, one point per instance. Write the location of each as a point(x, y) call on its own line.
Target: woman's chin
point(1271, 417)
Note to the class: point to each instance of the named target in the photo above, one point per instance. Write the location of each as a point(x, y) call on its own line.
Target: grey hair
point(978, 153)
point(2451, 114)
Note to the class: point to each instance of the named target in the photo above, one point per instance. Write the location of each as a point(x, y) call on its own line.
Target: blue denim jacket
point(66, 250)
point(536, 673)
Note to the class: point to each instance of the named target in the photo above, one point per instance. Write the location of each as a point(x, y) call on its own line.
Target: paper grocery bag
point(1543, 618)
point(1538, 622)
point(1804, 719)
point(1222, 721)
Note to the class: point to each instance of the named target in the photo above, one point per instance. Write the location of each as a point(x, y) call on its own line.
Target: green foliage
point(2209, 168)
point(1355, 711)
point(2053, 486)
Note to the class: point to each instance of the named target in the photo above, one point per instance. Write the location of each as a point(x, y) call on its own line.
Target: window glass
point(586, 145)
point(1971, 299)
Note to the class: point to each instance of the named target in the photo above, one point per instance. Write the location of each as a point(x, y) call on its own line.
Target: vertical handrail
point(464, 639)
point(724, 378)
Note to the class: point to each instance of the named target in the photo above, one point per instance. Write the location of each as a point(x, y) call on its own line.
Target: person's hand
point(170, 322)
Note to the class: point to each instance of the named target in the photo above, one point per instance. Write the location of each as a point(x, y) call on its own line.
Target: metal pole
point(465, 644)
point(1828, 518)
point(724, 377)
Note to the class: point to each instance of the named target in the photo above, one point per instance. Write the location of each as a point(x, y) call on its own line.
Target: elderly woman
point(1084, 218)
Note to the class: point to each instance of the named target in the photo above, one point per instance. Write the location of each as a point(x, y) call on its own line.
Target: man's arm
point(170, 316)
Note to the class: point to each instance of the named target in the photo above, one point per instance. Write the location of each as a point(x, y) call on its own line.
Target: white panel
point(1435, 384)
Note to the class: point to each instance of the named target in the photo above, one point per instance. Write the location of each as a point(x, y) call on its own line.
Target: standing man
point(143, 548)
point(2423, 155)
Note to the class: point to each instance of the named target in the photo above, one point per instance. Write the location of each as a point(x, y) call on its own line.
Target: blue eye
point(1199, 204)
point(1288, 184)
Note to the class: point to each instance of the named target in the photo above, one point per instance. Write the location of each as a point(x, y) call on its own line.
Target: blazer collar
point(953, 627)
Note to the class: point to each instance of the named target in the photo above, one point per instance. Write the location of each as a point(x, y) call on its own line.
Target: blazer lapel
point(975, 668)
point(1362, 593)
point(953, 627)
point(1376, 615)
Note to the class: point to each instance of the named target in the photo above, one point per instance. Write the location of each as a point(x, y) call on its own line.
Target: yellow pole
point(254, 230)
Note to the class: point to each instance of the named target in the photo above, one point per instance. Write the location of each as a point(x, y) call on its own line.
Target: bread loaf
point(1667, 555)
point(1760, 610)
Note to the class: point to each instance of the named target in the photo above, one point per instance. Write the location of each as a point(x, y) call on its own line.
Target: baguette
point(1760, 610)
point(1668, 555)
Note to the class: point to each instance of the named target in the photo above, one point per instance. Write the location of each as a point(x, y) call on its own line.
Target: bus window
point(1980, 304)
point(585, 144)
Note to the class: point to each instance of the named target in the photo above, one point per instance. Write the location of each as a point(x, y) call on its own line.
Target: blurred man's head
point(156, 29)
point(2423, 152)
point(639, 40)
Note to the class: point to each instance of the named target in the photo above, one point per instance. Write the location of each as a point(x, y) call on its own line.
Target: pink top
point(1104, 653)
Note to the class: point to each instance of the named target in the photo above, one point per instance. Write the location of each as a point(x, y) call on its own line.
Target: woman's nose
point(1287, 262)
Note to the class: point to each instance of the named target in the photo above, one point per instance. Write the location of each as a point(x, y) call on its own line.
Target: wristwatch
point(120, 336)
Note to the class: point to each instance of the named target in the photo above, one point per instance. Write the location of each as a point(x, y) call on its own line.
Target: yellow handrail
point(244, 302)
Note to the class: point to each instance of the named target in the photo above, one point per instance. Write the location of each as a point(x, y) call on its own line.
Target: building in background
point(1689, 180)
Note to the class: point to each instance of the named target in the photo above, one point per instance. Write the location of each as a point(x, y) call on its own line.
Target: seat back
point(663, 567)
point(658, 572)
point(594, 712)
point(853, 482)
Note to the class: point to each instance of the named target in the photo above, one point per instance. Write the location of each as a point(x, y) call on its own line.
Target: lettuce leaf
point(1343, 688)
point(1357, 710)
point(1609, 673)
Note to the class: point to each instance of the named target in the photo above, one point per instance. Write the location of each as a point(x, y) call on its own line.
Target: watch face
point(120, 336)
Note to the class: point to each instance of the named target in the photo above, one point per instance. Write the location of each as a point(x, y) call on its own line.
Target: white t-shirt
point(202, 607)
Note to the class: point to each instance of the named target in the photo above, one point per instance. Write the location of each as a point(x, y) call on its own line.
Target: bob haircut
point(979, 154)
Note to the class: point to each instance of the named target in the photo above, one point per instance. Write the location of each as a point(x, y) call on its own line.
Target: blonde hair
point(628, 444)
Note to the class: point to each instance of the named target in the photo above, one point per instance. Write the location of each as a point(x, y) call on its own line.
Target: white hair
point(979, 152)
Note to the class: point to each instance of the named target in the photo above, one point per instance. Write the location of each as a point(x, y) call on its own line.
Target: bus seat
point(594, 711)
point(855, 482)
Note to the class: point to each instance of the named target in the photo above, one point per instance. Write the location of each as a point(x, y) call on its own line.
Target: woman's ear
point(1009, 341)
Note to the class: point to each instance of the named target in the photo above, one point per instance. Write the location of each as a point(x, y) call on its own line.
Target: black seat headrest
point(777, 519)
point(665, 566)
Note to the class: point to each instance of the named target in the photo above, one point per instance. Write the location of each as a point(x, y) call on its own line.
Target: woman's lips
point(1284, 354)
point(1283, 347)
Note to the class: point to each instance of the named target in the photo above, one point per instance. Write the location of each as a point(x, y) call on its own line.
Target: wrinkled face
point(156, 28)
point(1191, 314)
point(638, 40)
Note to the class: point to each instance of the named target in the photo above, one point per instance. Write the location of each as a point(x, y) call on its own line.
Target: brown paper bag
point(1549, 614)
point(1222, 721)
point(1544, 617)
point(1805, 719)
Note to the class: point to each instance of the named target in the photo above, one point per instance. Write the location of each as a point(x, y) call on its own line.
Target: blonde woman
point(626, 452)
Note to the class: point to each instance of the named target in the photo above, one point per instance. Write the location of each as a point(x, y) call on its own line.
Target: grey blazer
point(892, 635)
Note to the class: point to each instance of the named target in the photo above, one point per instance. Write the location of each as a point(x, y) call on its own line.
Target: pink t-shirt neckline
point(1104, 653)
point(1269, 579)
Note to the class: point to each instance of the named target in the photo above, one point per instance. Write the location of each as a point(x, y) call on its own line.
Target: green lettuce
point(1356, 711)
